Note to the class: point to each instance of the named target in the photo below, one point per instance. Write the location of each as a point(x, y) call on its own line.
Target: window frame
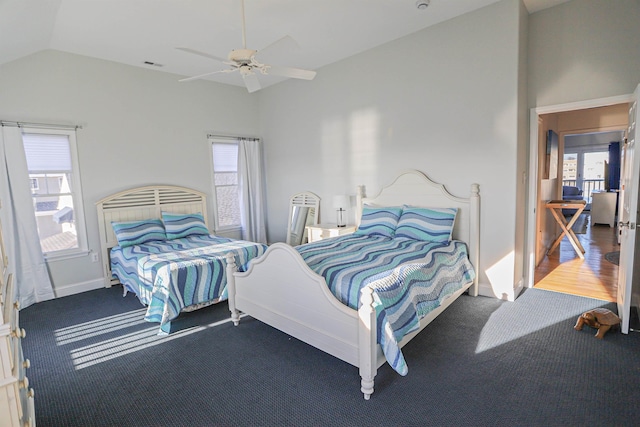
point(76, 194)
point(212, 140)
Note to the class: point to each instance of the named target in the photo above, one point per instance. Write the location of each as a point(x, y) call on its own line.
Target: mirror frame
point(305, 199)
point(4, 263)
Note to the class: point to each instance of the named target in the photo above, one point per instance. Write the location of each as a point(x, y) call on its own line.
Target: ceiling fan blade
point(197, 52)
point(251, 82)
point(188, 79)
point(295, 73)
point(284, 45)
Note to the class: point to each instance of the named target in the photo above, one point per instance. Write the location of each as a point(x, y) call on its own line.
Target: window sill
point(235, 228)
point(65, 256)
point(229, 232)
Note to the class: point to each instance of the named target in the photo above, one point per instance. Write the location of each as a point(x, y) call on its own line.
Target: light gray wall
point(140, 127)
point(523, 150)
point(443, 101)
point(447, 101)
point(582, 50)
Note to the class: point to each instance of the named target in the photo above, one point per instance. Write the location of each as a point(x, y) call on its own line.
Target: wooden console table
point(556, 206)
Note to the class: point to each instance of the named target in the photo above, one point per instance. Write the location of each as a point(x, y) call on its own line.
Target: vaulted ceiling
point(146, 33)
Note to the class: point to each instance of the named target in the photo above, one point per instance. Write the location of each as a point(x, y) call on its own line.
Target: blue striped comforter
point(409, 279)
point(170, 275)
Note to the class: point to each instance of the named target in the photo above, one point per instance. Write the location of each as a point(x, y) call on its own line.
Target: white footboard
point(280, 290)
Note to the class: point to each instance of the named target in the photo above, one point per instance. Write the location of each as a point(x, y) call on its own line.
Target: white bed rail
point(279, 289)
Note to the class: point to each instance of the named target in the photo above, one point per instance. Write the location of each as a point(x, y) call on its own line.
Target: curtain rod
point(38, 125)
point(231, 137)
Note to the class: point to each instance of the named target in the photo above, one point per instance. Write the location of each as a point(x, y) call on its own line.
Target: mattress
point(409, 278)
point(170, 276)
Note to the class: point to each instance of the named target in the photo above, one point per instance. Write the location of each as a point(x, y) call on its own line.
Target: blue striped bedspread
point(170, 275)
point(410, 278)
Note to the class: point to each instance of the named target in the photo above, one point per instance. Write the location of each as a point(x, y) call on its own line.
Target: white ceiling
point(135, 31)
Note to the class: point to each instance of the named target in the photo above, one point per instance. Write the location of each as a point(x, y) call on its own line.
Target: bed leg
point(367, 342)
point(231, 289)
point(366, 388)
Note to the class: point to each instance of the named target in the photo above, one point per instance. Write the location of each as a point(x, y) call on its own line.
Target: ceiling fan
point(244, 61)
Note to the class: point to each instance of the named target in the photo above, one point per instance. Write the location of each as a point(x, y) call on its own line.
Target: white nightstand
point(603, 208)
point(323, 231)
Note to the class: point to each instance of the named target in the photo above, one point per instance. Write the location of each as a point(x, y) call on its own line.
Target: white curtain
point(31, 277)
point(252, 205)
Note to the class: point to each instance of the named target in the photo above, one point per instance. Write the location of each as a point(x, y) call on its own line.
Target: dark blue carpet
point(483, 362)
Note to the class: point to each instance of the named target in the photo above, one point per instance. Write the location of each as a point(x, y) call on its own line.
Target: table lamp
point(341, 203)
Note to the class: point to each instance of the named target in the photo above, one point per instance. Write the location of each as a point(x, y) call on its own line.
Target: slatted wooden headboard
point(142, 203)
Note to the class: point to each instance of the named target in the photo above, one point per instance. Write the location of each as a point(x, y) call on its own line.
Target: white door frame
point(532, 190)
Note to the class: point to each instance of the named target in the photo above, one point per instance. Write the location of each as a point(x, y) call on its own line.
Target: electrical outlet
point(94, 257)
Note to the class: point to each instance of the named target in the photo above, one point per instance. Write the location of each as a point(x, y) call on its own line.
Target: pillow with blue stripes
point(184, 225)
point(427, 224)
point(138, 232)
point(379, 221)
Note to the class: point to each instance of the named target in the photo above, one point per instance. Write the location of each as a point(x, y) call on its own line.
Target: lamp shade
point(341, 202)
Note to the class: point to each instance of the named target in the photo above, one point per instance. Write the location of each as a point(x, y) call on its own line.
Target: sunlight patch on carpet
point(533, 311)
point(112, 348)
point(106, 325)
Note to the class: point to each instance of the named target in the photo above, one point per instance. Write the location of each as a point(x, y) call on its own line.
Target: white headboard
point(142, 203)
point(416, 189)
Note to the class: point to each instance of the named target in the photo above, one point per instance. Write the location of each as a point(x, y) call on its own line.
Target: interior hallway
point(593, 277)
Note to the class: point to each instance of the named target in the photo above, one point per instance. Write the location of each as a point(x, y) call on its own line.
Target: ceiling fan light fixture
point(245, 70)
point(241, 55)
point(422, 4)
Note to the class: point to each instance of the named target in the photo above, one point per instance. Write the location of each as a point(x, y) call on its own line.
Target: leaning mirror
point(303, 211)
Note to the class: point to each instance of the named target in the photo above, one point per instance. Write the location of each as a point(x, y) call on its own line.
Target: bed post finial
point(475, 190)
point(231, 288)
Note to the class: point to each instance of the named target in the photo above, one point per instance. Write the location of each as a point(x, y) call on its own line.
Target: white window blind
point(55, 190)
point(225, 157)
point(225, 182)
point(47, 152)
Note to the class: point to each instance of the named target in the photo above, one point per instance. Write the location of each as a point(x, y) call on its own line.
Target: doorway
point(595, 276)
point(563, 271)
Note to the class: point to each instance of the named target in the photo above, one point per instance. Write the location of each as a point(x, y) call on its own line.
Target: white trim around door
point(532, 190)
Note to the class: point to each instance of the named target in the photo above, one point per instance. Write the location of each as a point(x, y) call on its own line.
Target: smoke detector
point(422, 4)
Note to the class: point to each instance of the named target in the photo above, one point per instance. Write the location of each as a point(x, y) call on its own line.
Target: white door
point(628, 214)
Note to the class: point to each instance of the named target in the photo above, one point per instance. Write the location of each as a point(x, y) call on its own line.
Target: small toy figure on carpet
point(600, 318)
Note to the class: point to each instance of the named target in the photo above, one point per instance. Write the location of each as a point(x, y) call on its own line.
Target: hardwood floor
point(593, 277)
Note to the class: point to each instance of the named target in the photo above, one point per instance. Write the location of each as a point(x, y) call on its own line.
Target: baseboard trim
point(486, 290)
point(518, 289)
point(76, 288)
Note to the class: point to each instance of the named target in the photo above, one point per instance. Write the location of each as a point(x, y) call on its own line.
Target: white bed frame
point(280, 290)
point(142, 203)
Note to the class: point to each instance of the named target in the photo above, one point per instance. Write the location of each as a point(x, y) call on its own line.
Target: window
point(585, 169)
point(55, 190)
point(225, 182)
